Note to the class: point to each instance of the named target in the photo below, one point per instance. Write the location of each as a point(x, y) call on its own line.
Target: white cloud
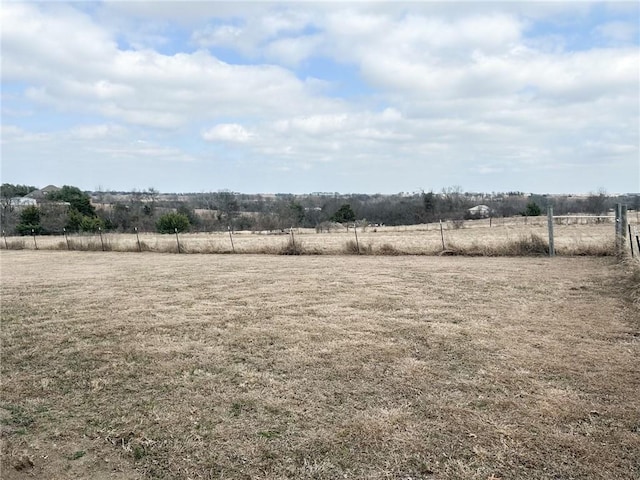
point(446, 88)
point(227, 132)
point(93, 132)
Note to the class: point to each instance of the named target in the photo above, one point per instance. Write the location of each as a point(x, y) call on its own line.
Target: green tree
point(532, 210)
point(169, 222)
point(29, 221)
point(91, 224)
point(344, 214)
point(77, 199)
point(429, 201)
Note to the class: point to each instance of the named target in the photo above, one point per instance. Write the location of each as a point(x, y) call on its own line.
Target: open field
point(476, 237)
point(119, 365)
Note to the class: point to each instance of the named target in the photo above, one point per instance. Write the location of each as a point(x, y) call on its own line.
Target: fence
point(571, 235)
point(620, 221)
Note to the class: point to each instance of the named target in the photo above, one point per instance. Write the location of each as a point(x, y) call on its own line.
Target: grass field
point(475, 237)
point(125, 366)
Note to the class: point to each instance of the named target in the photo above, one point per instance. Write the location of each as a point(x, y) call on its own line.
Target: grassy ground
point(118, 365)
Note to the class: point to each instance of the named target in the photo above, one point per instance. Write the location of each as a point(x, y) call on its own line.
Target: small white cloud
point(227, 132)
point(91, 132)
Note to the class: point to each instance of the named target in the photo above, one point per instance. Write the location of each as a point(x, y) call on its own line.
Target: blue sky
point(322, 96)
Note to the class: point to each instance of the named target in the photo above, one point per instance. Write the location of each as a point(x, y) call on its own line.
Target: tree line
point(73, 210)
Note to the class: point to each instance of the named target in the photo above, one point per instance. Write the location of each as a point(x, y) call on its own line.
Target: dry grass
point(118, 365)
point(475, 238)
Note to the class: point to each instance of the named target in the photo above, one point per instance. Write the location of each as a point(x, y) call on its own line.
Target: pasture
point(474, 237)
point(136, 366)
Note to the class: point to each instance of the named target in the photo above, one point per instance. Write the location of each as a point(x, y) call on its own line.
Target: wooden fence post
point(6, 245)
point(101, 240)
point(33, 232)
point(631, 240)
point(552, 250)
point(177, 239)
point(66, 238)
point(442, 236)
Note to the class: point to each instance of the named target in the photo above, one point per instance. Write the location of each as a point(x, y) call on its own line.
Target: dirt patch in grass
point(120, 365)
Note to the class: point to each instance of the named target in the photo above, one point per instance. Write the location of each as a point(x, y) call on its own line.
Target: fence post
point(177, 239)
point(442, 236)
point(6, 245)
point(66, 239)
point(233, 249)
point(552, 250)
point(101, 240)
point(293, 239)
point(33, 232)
point(618, 211)
point(137, 239)
point(630, 240)
point(355, 230)
point(623, 225)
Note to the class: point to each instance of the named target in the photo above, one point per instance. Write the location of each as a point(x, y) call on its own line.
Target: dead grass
point(120, 365)
point(475, 238)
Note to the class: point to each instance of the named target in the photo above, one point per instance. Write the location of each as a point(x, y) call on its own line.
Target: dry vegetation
point(506, 237)
point(118, 365)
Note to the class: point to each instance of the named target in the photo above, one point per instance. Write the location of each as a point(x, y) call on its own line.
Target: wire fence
point(572, 235)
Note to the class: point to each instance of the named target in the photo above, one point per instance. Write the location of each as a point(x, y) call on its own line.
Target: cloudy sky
point(300, 97)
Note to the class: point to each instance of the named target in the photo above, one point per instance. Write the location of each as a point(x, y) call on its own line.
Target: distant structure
point(23, 202)
point(480, 211)
point(42, 193)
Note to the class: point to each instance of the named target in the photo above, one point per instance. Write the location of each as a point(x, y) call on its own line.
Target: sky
point(349, 97)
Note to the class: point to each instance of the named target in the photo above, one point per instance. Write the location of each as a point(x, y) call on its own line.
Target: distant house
point(42, 193)
point(479, 211)
point(23, 202)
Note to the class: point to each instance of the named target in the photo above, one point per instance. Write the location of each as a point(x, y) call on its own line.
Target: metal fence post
point(552, 250)
point(233, 249)
point(355, 231)
point(138, 239)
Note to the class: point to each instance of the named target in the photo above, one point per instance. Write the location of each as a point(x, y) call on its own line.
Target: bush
point(388, 249)
point(292, 247)
point(533, 210)
point(170, 222)
point(91, 224)
point(351, 247)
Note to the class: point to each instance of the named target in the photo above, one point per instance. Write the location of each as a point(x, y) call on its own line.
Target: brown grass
point(475, 238)
point(120, 365)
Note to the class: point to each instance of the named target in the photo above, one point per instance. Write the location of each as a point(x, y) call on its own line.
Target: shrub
point(388, 249)
point(91, 224)
point(353, 248)
point(292, 247)
point(169, 222)
point(532, 210)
